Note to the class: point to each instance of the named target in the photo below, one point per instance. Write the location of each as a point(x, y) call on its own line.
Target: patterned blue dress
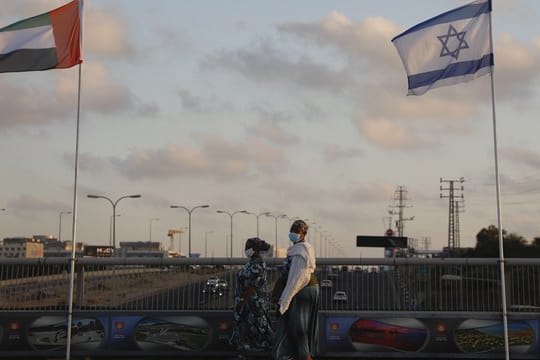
point(252, 328)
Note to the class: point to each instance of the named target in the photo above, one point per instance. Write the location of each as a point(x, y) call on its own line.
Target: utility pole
point(400, 203)
point(459, 207)
point(454, 191)
point(426, 242)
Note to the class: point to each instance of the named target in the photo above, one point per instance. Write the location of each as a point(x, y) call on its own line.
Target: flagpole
point(80, 4)
point(74, 228)
point(498, 190)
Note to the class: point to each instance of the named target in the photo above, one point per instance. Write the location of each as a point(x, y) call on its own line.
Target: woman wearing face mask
point(297, 333)
point(252, 329)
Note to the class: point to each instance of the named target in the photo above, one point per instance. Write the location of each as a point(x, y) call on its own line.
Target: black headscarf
point(257, 244)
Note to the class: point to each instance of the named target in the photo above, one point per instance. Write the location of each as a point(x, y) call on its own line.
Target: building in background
point(37, 246)
point(142, 249)
point(21, 247)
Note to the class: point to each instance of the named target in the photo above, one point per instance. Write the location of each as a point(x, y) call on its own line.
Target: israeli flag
point(448, 49)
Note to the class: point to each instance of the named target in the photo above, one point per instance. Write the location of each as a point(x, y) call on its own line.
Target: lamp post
point(110, 228)
point(189, 211)
point(59, 224)
point(257, 217)
point(206, 242)
point(113, 204)
point(231, 216)
point(314, 232)
point(321, 243)
point(282, 216)
point(150, 228)
point(288, 218)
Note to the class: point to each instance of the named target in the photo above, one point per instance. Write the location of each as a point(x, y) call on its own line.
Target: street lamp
point(321, 243)
point(113, 204)
point(231, 216)
point(150, 229)
point(282, 216)
point(59, 224)
point(206, 242)
point(189, 211)
point(257, 216)
point(110, 228)
point(288, 218)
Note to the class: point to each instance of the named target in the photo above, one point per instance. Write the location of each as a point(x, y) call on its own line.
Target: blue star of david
point(460, 36)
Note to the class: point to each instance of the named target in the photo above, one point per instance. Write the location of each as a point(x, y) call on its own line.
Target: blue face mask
point(294, 237)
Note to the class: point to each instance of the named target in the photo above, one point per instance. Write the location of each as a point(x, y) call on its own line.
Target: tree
point(487, 242)
point(515, 245)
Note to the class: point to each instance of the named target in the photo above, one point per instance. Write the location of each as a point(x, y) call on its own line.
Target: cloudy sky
point(296, 108)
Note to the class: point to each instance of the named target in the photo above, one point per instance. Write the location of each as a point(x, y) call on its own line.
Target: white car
point(340, 296)
point(212, 280)
point(326, 284)
point(223, 284)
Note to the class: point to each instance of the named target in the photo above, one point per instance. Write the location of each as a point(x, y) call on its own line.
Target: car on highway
point(326, 283)
point(223, 284)
point(340, 297)
point(212, 289)
point(212, 280)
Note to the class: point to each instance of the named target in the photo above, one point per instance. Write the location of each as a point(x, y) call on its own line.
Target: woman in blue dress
point(252, 329)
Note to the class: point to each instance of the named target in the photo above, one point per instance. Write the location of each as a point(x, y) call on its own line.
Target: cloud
point(359, 40)
point(269, 127)
point(196, 103)
point(200, 104)
point(409, 123)
point(216, 158)
point(156, 201)
point(263, 62)
point(333, 152)
point(521, 156)
point(516, 67)
point(31, 103)
point(271, 131)
point(105, 33)
point(171, 38)
point(359, 192)
point(30, 204)
point(102, 94)
point(87, 162)
point(27, 105)
point(291, 192)
point(389, 134)
point(147, 109)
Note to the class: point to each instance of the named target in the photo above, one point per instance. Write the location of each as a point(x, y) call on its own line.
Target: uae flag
point(47, 41)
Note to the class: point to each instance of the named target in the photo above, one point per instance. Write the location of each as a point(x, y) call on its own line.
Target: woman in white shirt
point(297, 333)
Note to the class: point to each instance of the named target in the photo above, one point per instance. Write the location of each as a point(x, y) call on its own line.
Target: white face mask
point(250, 252)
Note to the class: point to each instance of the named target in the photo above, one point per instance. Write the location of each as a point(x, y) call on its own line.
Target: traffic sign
point(381, 241)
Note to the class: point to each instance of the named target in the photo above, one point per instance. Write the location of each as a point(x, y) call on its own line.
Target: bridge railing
point(143, 284)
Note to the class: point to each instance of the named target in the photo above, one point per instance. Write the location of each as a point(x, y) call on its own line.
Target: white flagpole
point(75, 196)
point(498, 190)
point(74, 228)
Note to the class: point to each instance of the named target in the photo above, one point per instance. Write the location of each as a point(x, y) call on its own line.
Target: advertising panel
point(429, 335)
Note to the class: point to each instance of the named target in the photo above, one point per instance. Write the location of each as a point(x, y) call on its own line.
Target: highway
point(365, 291)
